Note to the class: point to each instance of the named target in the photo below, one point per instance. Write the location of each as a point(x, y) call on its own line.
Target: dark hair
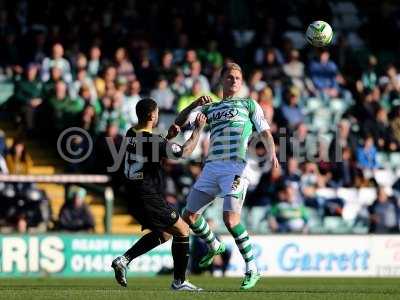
point(144, 108)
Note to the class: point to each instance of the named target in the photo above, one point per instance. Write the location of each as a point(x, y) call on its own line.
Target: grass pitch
point(157, 288)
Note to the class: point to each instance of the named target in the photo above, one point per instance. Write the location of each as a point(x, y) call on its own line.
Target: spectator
point(123, 65)
point(343, 138)
point(311, 176)
point(28, 93)
point(390, 82)
point(212, 57)
point(273, 72)
point(163, 95)
point(292, 173)
point(82, 79)
point(345, 170)
point(380, 129)
point(195, 75)
point(266, 101)
point(178, 84)
point(3, 163)
point(255, 81)
point(287, 215)
point(369, 78)
point(323, 75)
point(114, 114)
point(302, 144)
point(146, 72)
point(294, 70)
point(384, 214)
point(167, 69)
point(104, 158)
point(366, 154)
point(190, 57)
point(18, 159)
point(29, 209)
point(196, 92)
point(64, 110)
point(88, 120)
point(106, 81)
point(131, 98)
point(290, 111)
point(56, 60)
point(49, 87)
point(75, 214)
point(79, 62)
point(266, 191)
point(395, 124)
point(94, 63)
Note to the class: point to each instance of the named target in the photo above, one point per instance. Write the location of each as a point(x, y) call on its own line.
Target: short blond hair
point(229, 67)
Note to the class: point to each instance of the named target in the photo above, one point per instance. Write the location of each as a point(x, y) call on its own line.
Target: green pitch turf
point(157, 288)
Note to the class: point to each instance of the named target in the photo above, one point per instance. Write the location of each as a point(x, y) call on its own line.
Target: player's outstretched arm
point(269, 141)
point(191, 143)
point(183, 116)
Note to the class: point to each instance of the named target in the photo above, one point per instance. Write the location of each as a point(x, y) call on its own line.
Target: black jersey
point(143, 157)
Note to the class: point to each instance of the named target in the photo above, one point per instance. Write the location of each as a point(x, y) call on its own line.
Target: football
point(319, 34)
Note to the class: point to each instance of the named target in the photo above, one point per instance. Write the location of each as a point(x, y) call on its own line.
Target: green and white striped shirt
point(231, 123)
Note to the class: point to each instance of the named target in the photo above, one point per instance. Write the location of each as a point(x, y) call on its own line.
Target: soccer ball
point(319, 34)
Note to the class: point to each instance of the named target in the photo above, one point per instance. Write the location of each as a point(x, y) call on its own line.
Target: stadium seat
point(314, 221)
point(384, 177)
point(322, 120)
point(366, 195)
point(336, 225)
point(383, 159)
point(313, 104)
point(338, 107)
point(6, 91)
point(394, 159)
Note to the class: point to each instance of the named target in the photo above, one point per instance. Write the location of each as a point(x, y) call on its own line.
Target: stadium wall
point(82, 255)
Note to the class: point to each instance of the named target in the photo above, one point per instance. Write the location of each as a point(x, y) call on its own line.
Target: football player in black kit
point(143, 174)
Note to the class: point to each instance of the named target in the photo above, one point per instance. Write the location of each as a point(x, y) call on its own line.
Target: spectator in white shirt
point(56, 60)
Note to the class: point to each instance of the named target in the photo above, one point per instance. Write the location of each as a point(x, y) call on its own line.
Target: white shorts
point(225, 179)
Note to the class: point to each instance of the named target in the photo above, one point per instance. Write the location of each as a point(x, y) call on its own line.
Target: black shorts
point(152, 211)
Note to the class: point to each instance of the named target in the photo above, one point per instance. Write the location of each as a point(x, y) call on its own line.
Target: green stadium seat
point(314, 221)
point(338, 107)
point(383, 159)
point(336, 225)
point(394, 159)
point(6, 91)
point(313, 104)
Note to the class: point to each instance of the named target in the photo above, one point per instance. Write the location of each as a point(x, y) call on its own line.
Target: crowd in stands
point(334, 113)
